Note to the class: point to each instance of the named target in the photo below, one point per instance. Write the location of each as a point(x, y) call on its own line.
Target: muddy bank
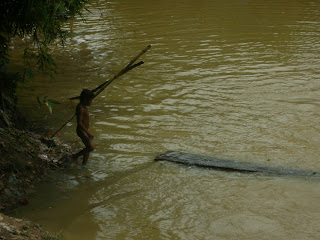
point(25, 158)
point(18, 229)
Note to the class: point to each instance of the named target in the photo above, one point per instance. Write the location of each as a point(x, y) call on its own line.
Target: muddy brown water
point(235, 79)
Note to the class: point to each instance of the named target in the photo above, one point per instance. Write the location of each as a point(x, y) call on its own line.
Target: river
point(234, 79)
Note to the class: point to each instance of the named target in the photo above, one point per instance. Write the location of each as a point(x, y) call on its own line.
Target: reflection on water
point(235, 79)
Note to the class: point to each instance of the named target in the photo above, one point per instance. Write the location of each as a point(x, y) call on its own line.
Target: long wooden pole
point(106, 83)
point(111, 80)
point(102, 86)
point(124, 70)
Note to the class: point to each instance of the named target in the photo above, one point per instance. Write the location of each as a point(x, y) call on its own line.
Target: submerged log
point(232, 165)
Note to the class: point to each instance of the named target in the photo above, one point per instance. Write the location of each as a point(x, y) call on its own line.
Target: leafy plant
point(48, 102)
point(39, 24)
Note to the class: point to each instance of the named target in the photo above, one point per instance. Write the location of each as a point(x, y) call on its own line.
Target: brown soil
point(18, 229)
point(25, 158)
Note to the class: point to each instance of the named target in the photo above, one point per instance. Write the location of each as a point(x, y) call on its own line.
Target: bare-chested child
point(82, 114)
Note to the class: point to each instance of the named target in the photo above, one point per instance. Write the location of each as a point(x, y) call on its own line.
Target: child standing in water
point(82, 114)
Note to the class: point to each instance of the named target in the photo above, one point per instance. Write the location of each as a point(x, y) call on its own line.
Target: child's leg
point(84, 152)
point(77, 155)
point(85, 158)
point(89, 148)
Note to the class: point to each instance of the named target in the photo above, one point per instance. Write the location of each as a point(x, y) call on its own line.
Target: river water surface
point(235, 79)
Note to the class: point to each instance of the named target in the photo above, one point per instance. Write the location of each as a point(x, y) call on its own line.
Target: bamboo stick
point(138, 56)
point(127, 68)
point(110, 81)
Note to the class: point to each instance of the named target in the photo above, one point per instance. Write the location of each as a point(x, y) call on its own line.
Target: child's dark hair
point(86, 94)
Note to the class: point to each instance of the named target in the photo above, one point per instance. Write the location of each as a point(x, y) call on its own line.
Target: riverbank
point(25, 158)
point(18, 229)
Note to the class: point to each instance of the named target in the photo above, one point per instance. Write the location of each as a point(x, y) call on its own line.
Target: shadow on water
point(63, 201)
